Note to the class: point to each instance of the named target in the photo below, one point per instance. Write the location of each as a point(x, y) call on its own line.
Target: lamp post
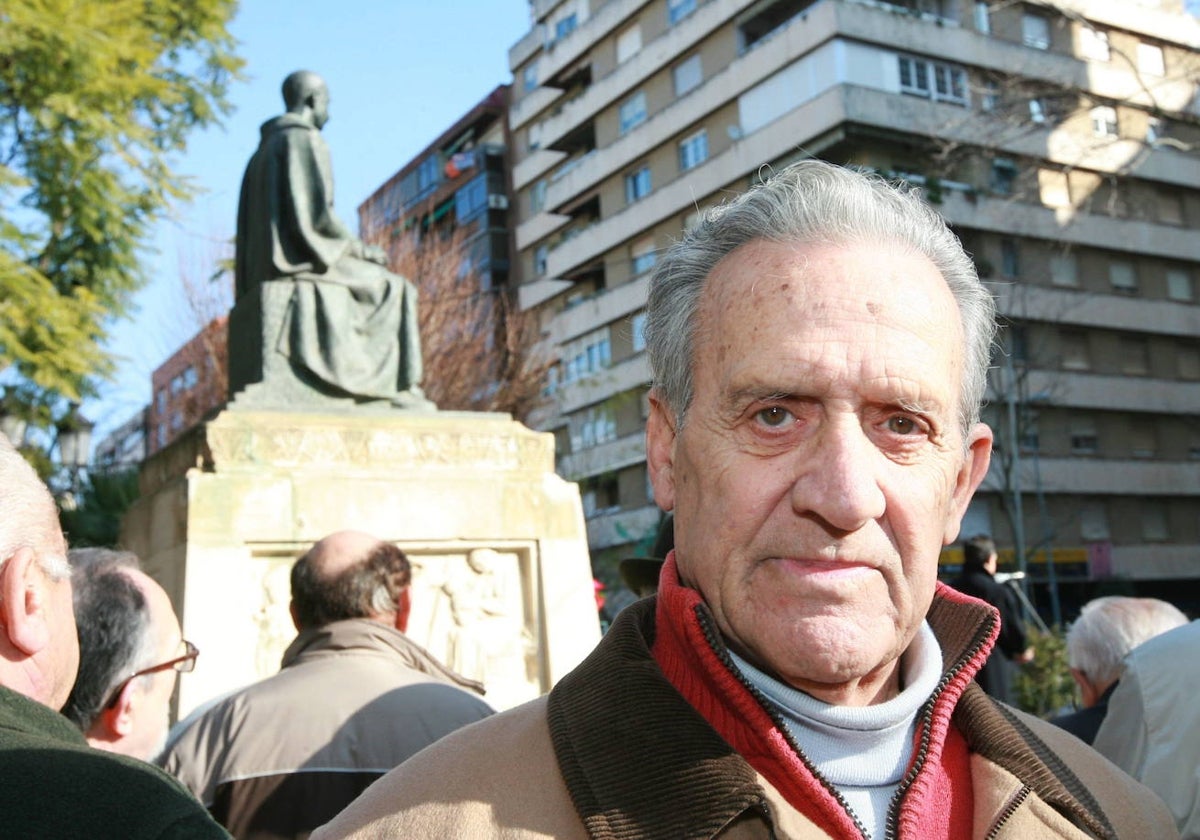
point(74, 444)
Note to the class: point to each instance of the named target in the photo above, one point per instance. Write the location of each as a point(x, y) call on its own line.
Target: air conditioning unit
point(497, 201)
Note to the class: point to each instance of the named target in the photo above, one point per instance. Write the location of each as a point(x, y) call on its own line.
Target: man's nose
point(839, 483)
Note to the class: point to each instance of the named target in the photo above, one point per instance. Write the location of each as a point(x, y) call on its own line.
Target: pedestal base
point(502, 584)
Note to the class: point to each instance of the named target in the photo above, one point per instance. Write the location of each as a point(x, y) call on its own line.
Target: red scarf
point(937, 804)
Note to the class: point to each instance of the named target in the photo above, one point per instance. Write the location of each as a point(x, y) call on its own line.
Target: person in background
point(1152, 729)
point(54, 784)
point(819, 349)
point(1012, 646)
point(131, 651)
point(354, 698)
point(1107, 629)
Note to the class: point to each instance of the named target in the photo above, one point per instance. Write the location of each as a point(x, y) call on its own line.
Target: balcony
point(614, 455)
point(1115, 393)
point(1101, 476)
point(624, 376)
point(1087, 309)
point(623, 526)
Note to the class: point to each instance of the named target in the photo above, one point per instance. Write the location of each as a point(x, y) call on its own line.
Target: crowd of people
point(819, 348)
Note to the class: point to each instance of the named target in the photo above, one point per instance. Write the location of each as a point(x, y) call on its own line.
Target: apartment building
point(189, 386)
point(1060, 141)
point(459, 182)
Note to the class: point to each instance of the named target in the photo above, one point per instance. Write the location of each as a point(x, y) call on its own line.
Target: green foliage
point(1044, 686)
point(96, 97)
point(102, 501)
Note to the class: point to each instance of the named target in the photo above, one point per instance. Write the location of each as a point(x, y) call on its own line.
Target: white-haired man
point(1097, 642)
point(54, 784)
point(819, 348)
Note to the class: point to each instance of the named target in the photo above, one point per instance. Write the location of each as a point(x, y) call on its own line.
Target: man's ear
point(292, 612)
point(116, 721)
point(403, 608)
point(23, 598)
point(660, 451)
point(970, 475)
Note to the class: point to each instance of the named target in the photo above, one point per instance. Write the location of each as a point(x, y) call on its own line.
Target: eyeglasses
point(183, 664)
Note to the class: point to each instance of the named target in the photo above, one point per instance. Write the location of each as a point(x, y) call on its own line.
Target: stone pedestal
point(502, 585)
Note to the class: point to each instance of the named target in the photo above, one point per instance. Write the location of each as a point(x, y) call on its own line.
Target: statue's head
point(305, 89)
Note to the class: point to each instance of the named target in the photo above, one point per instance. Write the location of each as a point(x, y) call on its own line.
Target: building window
point(600, 495)
point(161, 399)
point(471, 199)
point(983, 18)
point(1064, 270)
point(677, 10)
point(1035, 31)
point(593, 427)
point(1150, 60)
point(1187, 362)
point(1010, 264)
point(162, 435)
point(1037, 113)
point(1179, 285)
point(565, 26)
point(1154, 522)
point(1135, 356)
point(693, 150)
point(989, 98)
point(1093, 522)
point(644, 255)
point(1104, 121)
point(687, 75)
point(537, 197)
point(633, 112)
point(540, 256)
point(637, 185)
point(933, 80)
point(1075, 355)
point(189, 377)
point(1083, 436)
point(1154, 130)
point(1122, 277)
point(1093, 44)
point(1003, 176)
point(529, 76)
point(629, 43)
point(585, 356)
point(639, 332)
point(1142, 441)
point(1168, 206)
point(176, 420)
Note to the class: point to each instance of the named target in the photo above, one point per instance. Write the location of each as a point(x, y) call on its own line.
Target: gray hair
point(813, 202)
point(28, 516)
point(1109, 628)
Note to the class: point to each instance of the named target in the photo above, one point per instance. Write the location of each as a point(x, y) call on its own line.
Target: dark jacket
point(1085, 723)
point(621, 750)
point(995, 677)
point(53, 785)
point(354, 699)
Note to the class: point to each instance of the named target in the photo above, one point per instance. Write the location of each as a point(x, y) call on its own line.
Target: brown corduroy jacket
point(616, 753)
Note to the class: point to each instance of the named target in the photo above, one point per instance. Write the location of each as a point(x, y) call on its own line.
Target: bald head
point(306, 95)
point(349, 574)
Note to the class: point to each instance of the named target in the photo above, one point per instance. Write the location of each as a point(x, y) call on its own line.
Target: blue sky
point(399, 72)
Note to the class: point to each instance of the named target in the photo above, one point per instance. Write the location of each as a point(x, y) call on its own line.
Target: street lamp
point(74, 443)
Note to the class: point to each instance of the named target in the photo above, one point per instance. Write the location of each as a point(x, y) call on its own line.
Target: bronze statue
point(350, 325)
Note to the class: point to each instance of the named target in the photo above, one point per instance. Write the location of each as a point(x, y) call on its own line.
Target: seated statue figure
point(350, 328)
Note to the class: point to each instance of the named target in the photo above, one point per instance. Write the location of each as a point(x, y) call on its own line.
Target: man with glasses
point(130, 650)
point(54, 784)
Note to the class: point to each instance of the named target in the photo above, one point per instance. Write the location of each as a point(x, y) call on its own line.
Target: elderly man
point(130, 652)
point(1152, 729)
point(1097, 642)
point(355, 698)
point(54, 784)
point(819, 348)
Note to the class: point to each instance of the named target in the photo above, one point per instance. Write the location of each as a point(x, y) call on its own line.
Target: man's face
point(154, 706)
point(822, 465)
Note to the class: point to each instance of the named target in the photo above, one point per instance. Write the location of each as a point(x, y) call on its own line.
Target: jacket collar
point(638, 761)
point(363, 634)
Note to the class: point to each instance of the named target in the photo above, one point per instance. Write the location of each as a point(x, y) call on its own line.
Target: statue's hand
point(375, 254)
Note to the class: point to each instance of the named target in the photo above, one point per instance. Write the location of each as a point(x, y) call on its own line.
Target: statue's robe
point(351, 323)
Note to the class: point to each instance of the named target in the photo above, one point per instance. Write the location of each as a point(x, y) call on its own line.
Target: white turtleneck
point(862, 750)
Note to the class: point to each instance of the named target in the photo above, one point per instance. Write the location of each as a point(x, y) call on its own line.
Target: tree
point(480, 349)
point(96, 98)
